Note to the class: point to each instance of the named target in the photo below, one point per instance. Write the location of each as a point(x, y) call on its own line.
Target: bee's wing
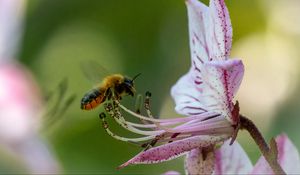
point(57, 102)
point(93, 71)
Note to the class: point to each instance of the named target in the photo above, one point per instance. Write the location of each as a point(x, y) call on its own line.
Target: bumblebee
point(115, 85)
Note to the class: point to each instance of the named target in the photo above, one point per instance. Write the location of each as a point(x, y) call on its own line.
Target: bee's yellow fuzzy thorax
point(113, 80)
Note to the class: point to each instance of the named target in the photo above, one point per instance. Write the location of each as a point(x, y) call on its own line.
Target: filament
point(132, 140)
point(115, 113)
point(175, 120)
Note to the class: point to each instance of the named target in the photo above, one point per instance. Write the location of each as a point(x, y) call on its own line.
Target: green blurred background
point(151, 37)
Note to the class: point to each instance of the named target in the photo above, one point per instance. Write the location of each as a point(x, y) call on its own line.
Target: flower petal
point(232, 159)
point(210, 34)
point(221, 82)
point(209, 85)
point(199, 16)
point(187, 97)
point(200, 161)
point(221, 34)
point(173, 150)
point(288, 158)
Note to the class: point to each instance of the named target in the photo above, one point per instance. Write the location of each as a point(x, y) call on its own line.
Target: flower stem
point(267, 152)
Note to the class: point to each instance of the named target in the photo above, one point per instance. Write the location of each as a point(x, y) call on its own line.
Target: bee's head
point(129, 84)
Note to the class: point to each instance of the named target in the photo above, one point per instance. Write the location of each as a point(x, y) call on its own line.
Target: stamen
point(150, 125)
point(135, 114)
point(196, 121)
point(116, 114)
point(174, 139)
point(175, 120)
point(138, 106)
point(207, 123)
point(138, 103)
point(147, 104)
point(147, 108)
point(131, 140)
point(202, 128)
point(212, 119)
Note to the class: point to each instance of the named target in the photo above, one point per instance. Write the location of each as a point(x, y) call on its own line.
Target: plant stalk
point(247, 124)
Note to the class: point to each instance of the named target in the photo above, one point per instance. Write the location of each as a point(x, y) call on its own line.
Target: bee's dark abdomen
point(92, 99)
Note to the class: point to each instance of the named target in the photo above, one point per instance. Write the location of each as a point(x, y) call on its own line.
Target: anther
point(109, 107)
point(148, 94)
point(105, 125)
point(102, 115)
point(147, 102)
point(138, 103)
point(115, 105)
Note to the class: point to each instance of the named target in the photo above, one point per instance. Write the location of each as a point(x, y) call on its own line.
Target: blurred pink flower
point(204, 94)
point(20, 100)
point(21, 109)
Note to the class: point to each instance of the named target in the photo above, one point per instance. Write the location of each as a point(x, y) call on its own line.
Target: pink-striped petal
point(232, 159)
point(221, 32)
point(199, 16)
point(174, 149)
point(200, 161)
point(220, 84)
point(213, 80)
point(187, 96)
point(210, 34)
point(221, 81)
point(288, 158)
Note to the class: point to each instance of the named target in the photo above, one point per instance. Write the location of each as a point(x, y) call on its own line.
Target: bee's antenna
point(136, 76)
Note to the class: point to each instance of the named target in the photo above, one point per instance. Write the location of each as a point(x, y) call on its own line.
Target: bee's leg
point(108, 94)
point(114, 96)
